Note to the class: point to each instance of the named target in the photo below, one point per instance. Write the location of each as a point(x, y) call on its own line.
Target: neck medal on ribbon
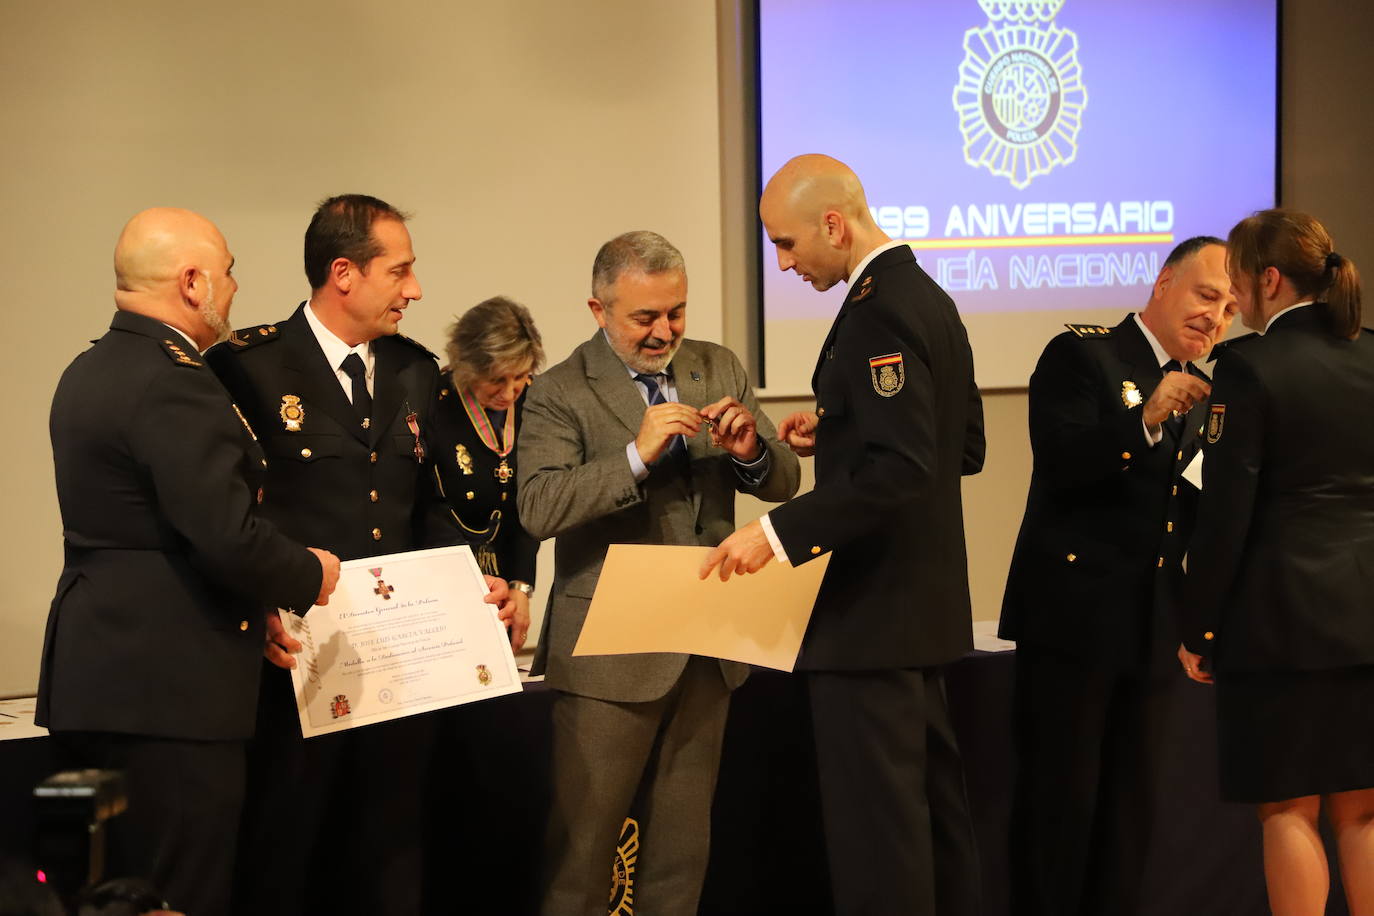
point(487, 434)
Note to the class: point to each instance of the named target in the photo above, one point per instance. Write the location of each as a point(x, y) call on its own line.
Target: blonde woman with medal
point(493, 352)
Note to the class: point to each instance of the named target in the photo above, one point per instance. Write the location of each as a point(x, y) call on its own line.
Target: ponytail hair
point(1300, 248)
point(1343, 307)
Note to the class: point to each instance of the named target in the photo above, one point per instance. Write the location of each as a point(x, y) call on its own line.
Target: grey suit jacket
point(575, 484)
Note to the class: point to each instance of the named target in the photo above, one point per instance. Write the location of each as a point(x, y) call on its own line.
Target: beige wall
point(521, 133)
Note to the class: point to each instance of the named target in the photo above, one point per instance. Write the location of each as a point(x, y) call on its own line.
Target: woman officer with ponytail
point(1279, 603)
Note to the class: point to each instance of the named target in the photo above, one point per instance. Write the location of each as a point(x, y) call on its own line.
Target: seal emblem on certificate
point(1020, 95)
point(402, 635)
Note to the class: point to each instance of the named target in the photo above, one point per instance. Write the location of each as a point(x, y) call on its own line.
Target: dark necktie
point(362, 401)
point(1175, 422)
point(676, 447)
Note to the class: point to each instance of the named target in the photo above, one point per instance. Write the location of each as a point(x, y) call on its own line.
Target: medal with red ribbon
point(413, 421)
point(487, 434)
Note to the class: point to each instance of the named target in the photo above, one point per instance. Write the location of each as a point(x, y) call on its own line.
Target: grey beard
point(654, 365)
point(223, 330)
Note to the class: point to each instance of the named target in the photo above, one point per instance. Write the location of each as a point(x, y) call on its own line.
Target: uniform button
point(376, 534)
point(259, 496)
point(1175, 490)
point(820, 411)
point(503, 496)
point(1160, 563)
point(1209, 636)
point(305, 453)
point(1125, 456)
point(372, 457)
point(1180, 455)
point(471, 495)
point(243, 625)
point(372, 495)
point(1072, 557)
point(815, 550)
point(264, 462)
point(367, 422)
point(1169, 527)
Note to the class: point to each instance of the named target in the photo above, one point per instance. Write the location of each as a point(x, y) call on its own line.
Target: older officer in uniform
point(1115, 415)
point(150, 664)
point(609, 453)
point(898, 421)
point(343, 404)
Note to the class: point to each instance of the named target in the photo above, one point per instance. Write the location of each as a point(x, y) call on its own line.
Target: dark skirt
point(1287, 734)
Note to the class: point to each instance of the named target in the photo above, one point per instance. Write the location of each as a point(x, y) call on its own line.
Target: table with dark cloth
point(487, 793)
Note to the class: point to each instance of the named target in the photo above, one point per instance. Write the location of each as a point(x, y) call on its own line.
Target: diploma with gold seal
point(402, 634)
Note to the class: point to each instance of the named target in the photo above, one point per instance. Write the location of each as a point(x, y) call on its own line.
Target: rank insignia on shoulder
point(865, 290)
point(1216, 421)
point(251, 337)
point(1130, 394)
point(178, 354)
point(1089, 330)
point(888, 374)
point(292, 413)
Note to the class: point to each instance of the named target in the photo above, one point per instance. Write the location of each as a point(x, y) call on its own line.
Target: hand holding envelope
point(759, 619)
point(745, 551)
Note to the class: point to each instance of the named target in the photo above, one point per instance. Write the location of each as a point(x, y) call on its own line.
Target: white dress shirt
point(335, 351)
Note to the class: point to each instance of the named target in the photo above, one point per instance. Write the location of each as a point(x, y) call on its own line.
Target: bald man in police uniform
point(343, 404)
point(1115, 418)
point(150, 662)
point(898, 420)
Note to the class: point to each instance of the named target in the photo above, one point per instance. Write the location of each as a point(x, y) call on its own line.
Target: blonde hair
point(495, 334)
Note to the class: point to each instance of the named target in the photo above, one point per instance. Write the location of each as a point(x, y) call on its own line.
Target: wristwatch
point(523, 587)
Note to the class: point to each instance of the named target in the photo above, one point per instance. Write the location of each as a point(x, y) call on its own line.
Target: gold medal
point(503, 472)
point(292, 413)
point(1130, 394)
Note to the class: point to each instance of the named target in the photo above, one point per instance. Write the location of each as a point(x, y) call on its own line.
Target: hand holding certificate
point(402, 634)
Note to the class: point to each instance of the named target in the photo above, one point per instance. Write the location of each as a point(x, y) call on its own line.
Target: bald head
point(174, 265)
point(157, 242)
point(812, 184)
point(817, 216)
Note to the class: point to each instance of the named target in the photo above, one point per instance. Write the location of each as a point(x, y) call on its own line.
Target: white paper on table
point(402, 634)
point(649, 599)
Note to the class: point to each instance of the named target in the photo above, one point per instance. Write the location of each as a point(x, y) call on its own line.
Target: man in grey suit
point(610, 453)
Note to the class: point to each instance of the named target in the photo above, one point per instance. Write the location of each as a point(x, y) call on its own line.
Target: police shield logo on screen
point(1020, 95)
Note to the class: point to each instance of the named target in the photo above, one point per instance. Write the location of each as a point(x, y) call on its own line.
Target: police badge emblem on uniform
point(1020, 95)
point(888, 374)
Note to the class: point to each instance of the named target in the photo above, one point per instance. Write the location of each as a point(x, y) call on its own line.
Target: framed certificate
point(402, 634)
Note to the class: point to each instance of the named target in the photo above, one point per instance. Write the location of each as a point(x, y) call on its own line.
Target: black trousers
point(333, 825)
point(898, 832)
point(184, 797)
point(1088, 747)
